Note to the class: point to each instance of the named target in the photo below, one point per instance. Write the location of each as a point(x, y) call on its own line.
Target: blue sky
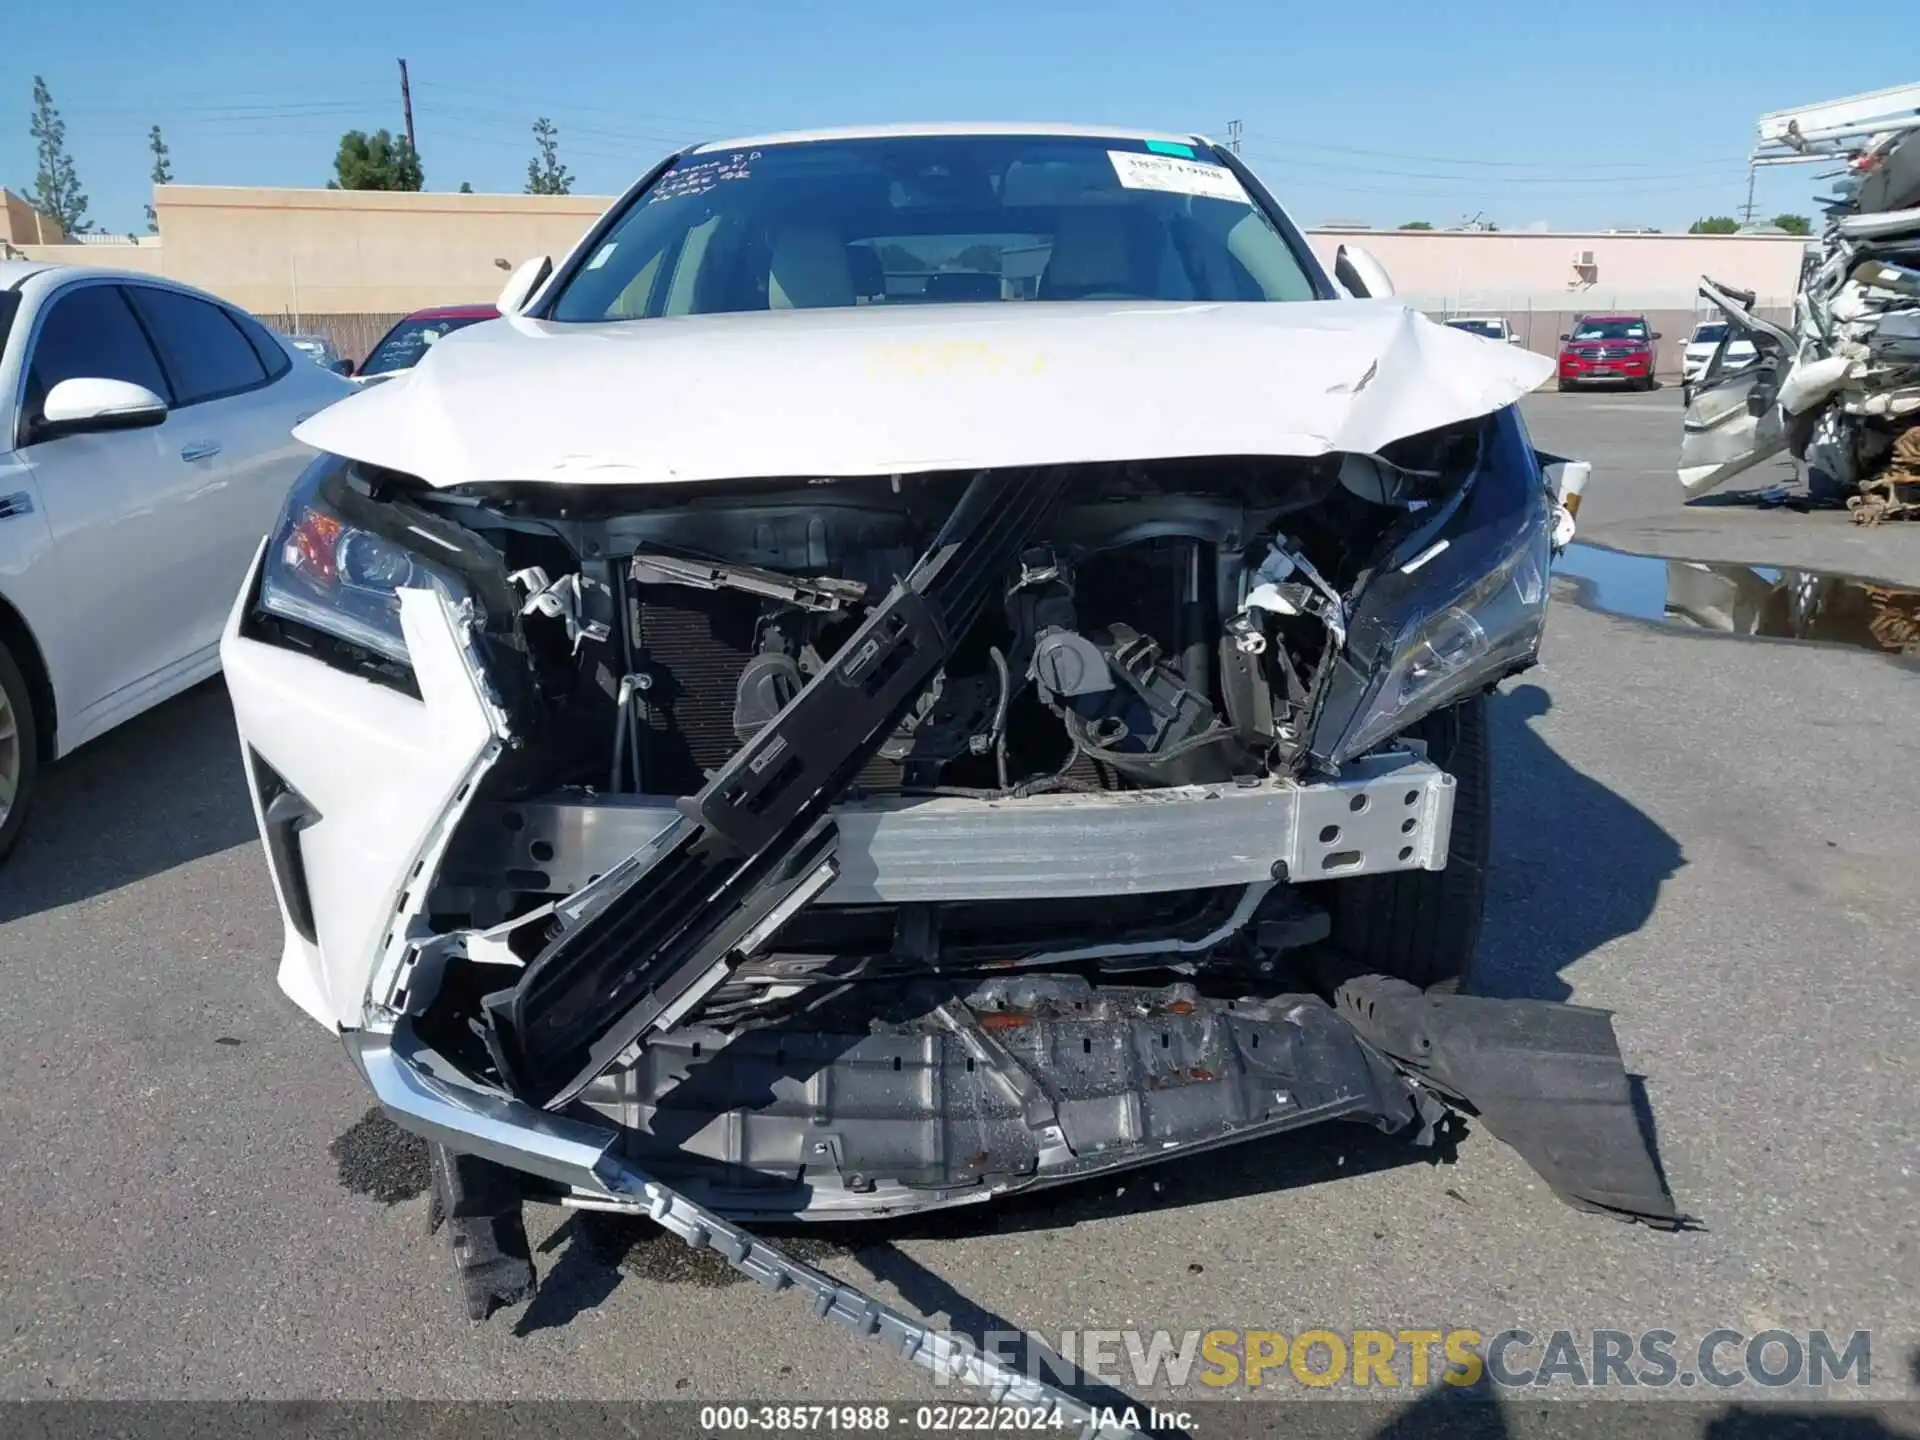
point(1611, 114)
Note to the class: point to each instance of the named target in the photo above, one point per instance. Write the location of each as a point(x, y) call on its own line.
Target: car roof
point(12, 272)
point(1612, 315)
point(986, 127)
point(455, 312)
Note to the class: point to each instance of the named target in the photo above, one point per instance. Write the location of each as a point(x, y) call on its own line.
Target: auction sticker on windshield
point(1180, 177)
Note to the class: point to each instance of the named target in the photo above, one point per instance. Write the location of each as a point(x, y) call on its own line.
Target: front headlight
point(1454, 617)
point(322, 571)
point(1446, 651)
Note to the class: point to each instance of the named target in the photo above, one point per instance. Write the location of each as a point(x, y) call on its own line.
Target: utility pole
point(1233, 136)
point(406, 107)
point(1746, 211)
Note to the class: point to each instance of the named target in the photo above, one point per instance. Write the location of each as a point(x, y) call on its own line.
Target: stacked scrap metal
point(1838, 388)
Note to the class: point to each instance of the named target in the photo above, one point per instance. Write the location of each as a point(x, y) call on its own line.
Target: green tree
point(56, 191)
point(376, 162)
point(1418, 225)
point(545, 174)
point(466, 187)
point(162, 173)
point(1794, 224)
point(1714, 225)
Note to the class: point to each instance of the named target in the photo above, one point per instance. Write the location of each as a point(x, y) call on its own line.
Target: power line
point(245, 105)
point(503, 103)
point(1338, 168)
point(1476, 161)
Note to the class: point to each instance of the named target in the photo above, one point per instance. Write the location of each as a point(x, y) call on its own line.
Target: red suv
point(1608, 350)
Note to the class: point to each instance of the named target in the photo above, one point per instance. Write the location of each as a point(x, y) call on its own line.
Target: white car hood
point(895, 390)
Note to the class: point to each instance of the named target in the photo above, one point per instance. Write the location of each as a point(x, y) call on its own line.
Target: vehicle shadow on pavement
point(1574, 864)
point(636, 1247)
point(162, 790)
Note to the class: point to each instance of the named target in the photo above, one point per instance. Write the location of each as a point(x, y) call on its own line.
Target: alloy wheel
point(11, 760)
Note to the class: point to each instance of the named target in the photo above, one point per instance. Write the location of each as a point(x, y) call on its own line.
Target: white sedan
point(145, 449)
point(1707, 338)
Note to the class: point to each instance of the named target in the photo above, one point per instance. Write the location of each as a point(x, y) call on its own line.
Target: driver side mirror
point(342, 366)
point(1566, 337)
point(523, 284)
point(86, 406)
point(1364, 277)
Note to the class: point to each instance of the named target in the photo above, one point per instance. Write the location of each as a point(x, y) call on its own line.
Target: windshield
point(1709, 334)
point(927, 219)
point(403, 345)
point(1610, 330)
point(1492, 329)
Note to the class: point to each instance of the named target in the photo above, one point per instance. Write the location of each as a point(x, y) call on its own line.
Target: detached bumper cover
point(1039, 1086)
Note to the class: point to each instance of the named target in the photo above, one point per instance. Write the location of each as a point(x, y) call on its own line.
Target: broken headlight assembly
point(324, 572)
point(1458, 606)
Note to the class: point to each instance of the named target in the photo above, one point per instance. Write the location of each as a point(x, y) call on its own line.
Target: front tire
point(1423, 926)
point(19, 751)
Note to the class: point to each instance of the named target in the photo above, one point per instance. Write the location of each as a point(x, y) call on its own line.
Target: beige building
point(347, 262)
point(21, 224)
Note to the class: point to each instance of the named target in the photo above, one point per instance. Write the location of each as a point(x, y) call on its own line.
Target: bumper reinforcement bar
point(1383, 813)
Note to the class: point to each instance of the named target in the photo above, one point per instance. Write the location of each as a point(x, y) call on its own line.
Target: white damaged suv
point(914, 664)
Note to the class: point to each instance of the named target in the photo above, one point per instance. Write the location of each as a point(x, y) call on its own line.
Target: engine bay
point(1168, 627)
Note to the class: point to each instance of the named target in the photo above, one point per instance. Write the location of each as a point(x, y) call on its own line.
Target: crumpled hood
point(894, 390)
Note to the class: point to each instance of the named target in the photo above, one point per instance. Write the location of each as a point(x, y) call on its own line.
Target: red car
point(402, 346)
point(1608, 350)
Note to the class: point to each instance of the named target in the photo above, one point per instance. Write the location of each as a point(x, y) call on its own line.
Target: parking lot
point(1712, 838)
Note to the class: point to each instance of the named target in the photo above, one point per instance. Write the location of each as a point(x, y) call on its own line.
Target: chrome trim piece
point(421, 1093)
point(423, 1096)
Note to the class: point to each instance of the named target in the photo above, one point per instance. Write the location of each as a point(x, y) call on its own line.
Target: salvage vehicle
point(738, 740)
point(1837, 385)
point(1608, 350)
point(144, 452)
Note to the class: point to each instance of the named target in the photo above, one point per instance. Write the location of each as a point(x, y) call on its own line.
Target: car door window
point(271, 354)
point(204, 350)
point(88, 333)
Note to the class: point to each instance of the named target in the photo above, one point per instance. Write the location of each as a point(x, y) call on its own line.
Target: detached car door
point(119, 552)
point(1733, 419)
point(232, 436)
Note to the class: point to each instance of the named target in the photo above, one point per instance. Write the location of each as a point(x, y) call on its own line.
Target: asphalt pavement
point(1714, 839)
